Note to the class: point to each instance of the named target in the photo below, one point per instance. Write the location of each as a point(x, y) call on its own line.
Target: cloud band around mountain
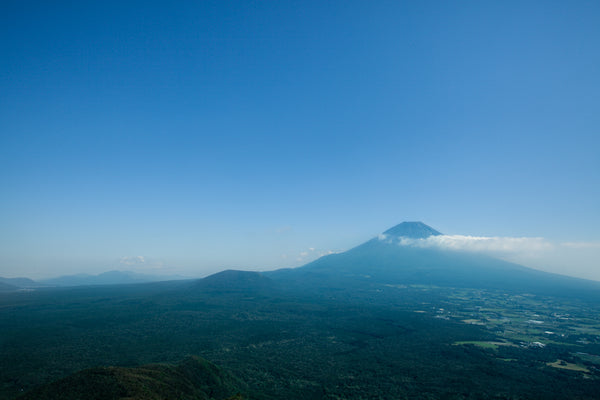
point(478, 243)
point(518, 249)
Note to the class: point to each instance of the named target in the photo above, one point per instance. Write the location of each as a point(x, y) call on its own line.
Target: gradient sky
point(194, 136)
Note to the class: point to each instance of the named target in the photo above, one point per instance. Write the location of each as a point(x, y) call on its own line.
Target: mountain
point(107, 278)
point(194, 378)
point(386, 259)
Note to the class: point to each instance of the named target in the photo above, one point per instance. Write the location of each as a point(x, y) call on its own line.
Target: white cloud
point(132, 260)
point(581, 245)
point(581, 259)
point(312, 254)
point(140, 263)
point(283, 229)
point(480, 243)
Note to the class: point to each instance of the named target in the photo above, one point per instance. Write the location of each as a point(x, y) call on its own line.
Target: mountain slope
point(194, 378)
point(386, 260)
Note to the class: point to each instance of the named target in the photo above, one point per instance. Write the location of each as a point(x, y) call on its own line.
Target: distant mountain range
point(106, 278)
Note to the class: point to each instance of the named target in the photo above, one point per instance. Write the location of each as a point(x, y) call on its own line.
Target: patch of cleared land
point(473, 322)
point(565, 365)
point(485, 345)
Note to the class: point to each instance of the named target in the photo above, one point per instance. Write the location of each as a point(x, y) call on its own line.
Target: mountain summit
point(414, 230)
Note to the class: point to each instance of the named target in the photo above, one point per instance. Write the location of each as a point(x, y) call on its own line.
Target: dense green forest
point(192, 379)
point(381, 341)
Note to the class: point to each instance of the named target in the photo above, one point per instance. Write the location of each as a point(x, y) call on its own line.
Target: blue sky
point(211, 135)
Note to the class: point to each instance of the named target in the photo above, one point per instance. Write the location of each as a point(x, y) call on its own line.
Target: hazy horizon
point(191, 138)
point(533, 252)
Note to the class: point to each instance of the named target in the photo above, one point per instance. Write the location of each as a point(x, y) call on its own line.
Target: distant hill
point(384, 260)
point(193, 379)
point(20, 282)
point(107, 278)
point(236, 281)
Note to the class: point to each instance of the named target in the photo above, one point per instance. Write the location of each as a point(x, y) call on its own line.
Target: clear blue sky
point(212, 134)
